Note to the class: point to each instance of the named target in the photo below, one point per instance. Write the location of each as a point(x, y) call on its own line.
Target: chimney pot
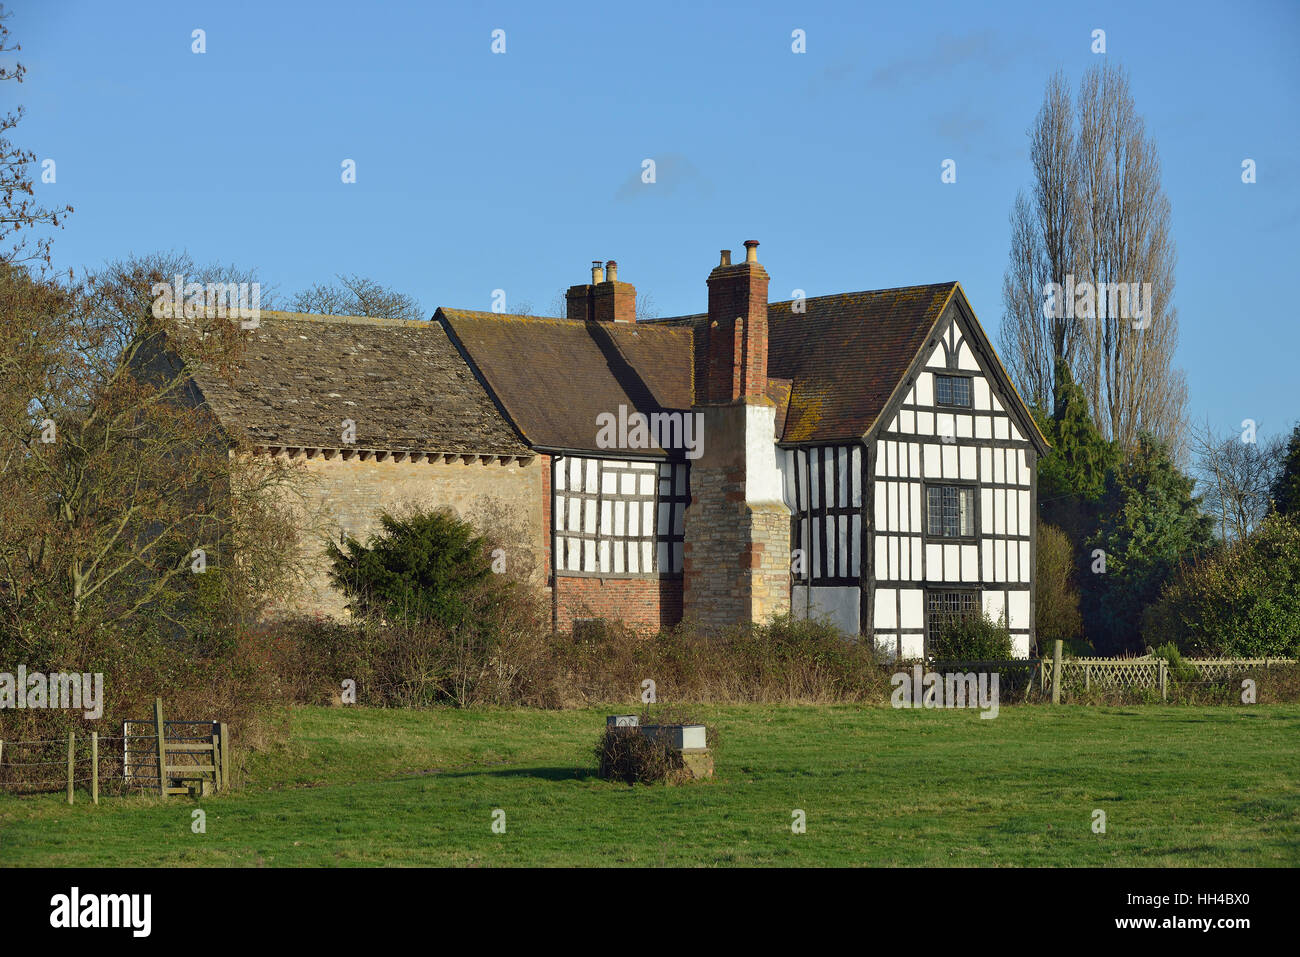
point(726, 258)
point(611, 271)
point(751, 250)
point(597, 271)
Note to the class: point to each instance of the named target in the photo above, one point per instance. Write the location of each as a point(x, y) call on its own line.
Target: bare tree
point(358, 296)
point(1237, 474)
point(1043, 236)
point(19, 210)
point(1126, 364)
point(122, 479)
point(1096, 229)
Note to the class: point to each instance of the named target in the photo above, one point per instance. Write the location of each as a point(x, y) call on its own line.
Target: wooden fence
point(164, 757)
point(1106, 674)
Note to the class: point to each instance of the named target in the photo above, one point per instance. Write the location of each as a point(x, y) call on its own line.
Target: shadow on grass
point(546, 774)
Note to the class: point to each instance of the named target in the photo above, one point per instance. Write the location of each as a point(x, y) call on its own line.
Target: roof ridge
point(948, 284)
point(330, 319)
point(475, 314)
point(488, 314)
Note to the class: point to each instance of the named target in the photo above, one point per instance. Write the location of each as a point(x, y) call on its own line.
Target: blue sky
point(478, 171)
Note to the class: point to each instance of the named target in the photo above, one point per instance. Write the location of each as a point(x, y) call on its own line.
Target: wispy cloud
point(940, 58)
point(673, 173)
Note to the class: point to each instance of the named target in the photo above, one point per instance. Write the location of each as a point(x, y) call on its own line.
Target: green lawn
point(1179, 786)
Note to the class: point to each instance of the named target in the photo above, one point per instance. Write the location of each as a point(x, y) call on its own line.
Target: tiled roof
point(403, 383)
point(555, 376)
point(844, 355)
point(832, 369)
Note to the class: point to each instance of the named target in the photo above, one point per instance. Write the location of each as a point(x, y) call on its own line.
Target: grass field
point(1180, 786)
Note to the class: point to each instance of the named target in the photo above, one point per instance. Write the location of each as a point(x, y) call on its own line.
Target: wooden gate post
point(71, 745)
point(94, 767)
point(225, 755)
point(216, 756)
point(162, 746)
point(1056, 672)
point(1164, 680)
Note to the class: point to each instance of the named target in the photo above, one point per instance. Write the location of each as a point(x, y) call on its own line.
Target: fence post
point(94, 767)
point(1056, 672)
point(216, 756)
point(1087, 676)
point(162, 746)
point(71, 745)
point(1164, 680)
point(225, 755)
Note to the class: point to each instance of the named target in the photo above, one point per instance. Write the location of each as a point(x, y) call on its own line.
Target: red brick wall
point(644, 603)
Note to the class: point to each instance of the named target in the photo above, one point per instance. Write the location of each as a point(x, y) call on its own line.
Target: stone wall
point(345, 496)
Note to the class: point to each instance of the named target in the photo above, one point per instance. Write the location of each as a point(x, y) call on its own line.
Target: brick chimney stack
point(735, 353)
point(737, 527)
point(605, 299)
point(611, 300)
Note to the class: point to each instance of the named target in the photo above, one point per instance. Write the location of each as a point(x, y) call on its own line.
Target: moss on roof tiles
point(401, 381)
point(555, 376)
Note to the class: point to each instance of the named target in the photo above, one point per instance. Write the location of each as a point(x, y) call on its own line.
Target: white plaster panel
point(925, 389)
point(995, 603)
point(912, 604)
point(967, 456)
point(1018, 609)
point(886, 612)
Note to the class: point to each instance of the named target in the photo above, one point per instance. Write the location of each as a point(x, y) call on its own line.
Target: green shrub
point(425, 566)
point(1243, 600)
point(1056, 608)
point(1178, 668)
point(974, 637)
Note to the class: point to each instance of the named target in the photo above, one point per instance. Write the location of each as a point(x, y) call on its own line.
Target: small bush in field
point(628, 755)
point(974, 637)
